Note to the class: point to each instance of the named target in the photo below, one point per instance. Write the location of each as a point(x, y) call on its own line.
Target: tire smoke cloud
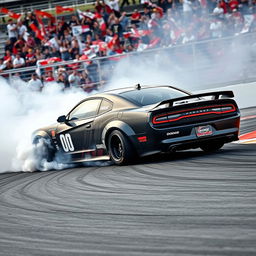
point(22, 111)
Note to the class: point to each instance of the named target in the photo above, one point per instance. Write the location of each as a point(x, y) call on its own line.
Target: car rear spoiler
point(215, 96)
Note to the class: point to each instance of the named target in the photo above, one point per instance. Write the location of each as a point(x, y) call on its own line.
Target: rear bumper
point(184, 137)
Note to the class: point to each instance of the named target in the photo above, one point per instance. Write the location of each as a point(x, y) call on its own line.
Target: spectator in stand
point(50, 28)
point(73, 22)
point(31, 42)
point(49, 77)
point(96, 31)
point(18, 62)
point(61, 80)
point(66, 37)
point(216, 28)
point(74, 79)
point(38, 54)
point(8, 46)
point(218, 11)
point(233, 4)
point(35, 84)
point(23, 52)
point(64, 50)
point(63, 77)
point(135, 17)
point(47, 53)
point(8, 58)
point(22, 29)
point(165, 4)
point(147, 11)
point(61, 27)
point(2, 65)
point(117, 28)
point(12, 31)
point(74, 49)
point(54, 53)
point(31, 58)
point(19, 44)
point(224, 6)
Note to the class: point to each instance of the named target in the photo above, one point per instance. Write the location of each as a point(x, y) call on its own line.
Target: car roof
point(134, 88)
point(115, 94)
point(139, 87)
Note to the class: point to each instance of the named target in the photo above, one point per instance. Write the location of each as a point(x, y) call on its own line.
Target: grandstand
point(92, 37)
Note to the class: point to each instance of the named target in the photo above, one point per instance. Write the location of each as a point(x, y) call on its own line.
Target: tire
point(212, 146)
point(43, 151)
point(120, 148)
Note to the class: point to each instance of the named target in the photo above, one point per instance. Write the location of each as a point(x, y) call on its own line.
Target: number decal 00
point(66, 142)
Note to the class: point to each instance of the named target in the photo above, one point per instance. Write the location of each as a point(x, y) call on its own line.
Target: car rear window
point(148, 96)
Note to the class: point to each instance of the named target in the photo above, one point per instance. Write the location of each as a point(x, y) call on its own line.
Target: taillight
point(178, 115)
point(142, 139)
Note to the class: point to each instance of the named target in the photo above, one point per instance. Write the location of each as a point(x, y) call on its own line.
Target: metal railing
point(217, 61)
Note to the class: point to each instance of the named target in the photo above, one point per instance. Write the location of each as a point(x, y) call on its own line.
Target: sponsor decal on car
point(205, 130)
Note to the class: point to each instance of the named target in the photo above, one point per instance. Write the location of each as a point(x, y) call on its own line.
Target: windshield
point(149, 96)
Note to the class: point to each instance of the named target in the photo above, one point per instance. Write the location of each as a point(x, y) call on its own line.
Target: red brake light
point(175, 116)
point(142, 139)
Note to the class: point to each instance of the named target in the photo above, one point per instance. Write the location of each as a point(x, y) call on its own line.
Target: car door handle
point(88, 126)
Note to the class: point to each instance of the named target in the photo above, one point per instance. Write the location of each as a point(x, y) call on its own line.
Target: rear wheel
point(120, 148)
point(212, 146)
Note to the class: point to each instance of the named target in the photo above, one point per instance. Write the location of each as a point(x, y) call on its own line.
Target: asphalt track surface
point(189, 203)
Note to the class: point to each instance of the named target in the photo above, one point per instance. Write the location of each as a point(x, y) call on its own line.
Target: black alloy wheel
point(120, 148)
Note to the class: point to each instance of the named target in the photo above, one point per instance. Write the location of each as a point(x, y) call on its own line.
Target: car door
point(76, 134)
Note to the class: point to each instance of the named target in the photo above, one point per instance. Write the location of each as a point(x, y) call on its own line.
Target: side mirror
point(61, 119)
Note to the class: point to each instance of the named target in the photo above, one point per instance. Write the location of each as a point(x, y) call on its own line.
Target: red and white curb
point(247, 138)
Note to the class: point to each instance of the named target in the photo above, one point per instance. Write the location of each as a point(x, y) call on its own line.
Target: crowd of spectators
point(107, 31)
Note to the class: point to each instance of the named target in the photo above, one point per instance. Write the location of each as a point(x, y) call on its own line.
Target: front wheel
point(120, 148)
point(212, 146)
point(43, 152)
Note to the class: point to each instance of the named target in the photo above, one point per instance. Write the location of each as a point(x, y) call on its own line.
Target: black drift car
point(138, 121)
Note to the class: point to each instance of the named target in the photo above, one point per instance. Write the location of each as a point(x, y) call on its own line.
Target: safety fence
point(217, 61)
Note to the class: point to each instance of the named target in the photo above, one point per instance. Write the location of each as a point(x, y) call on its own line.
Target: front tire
point(120, 149)
point(43, 152)
point(212, 146)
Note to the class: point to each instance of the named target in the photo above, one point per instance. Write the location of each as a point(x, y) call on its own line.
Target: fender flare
point(41, 133)
point(116, 125)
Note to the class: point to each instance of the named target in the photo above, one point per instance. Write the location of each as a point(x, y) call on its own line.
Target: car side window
point(85, 110)
point(105, 106)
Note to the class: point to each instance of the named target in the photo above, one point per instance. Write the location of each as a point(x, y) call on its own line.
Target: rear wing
point(215, 96)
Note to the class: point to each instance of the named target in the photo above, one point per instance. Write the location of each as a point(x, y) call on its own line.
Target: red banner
point(10, 13)
point(45, 15)
point(59, 9)
point(37, 31)
point(43, 31)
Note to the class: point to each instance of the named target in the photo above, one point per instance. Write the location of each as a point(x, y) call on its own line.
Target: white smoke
point(23, 111)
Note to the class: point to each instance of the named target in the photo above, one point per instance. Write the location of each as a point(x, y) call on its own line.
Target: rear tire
point(120, 148)
point(212, 146)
